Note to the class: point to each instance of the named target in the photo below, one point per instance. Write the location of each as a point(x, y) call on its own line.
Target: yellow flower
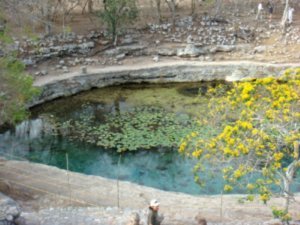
point(277, 165)
point(227, 151)
point(278, 156)
point(231, 141)
point(250, 187)
point(194, 134)
point(227, 188)
point(267, 80)
point(212, 145)
point(237, 174)
point(249, 103)
point(197, 153)
point(242, 148)
point(264, 197)
point(182, 146)
point(276, 104)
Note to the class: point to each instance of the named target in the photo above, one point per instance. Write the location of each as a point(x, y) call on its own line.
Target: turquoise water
point(38, 139)
point(161, 168)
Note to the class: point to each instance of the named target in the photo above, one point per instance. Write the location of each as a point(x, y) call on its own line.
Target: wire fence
point(35, 177)
point(64, 185)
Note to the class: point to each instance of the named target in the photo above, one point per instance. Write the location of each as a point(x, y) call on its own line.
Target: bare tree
point(193, 6)
point(172, 6)
point(285, 16)
point(158, 8)
point(90, 6)
point(218, 4)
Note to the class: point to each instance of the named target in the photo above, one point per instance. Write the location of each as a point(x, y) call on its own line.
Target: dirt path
point(43, 80)
point(39, 188)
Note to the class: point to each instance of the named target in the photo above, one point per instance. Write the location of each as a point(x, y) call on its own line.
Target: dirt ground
point(42, 190)
point(281, 51)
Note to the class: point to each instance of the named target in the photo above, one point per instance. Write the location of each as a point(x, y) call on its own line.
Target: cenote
point(128, 132)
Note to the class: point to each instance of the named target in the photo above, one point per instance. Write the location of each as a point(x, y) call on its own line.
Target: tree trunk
point(286, 194)
point(285, 16)
point(172, 7)
point(90, 6)
point(289, 176)
point(47, 18)
point(158, 9)
point(218, 7)
point(193, 6)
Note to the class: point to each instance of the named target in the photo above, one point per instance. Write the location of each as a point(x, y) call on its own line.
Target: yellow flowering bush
point(251, 128)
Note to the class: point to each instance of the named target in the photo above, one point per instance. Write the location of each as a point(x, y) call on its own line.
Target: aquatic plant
point(142, 128)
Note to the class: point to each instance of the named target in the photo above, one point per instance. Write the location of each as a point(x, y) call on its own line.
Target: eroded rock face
point(176, 72)
point(9, 210)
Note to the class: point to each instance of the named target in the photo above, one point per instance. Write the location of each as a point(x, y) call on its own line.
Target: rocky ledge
point(54, 86)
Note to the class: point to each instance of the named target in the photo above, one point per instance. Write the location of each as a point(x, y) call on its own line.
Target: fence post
point(68, 178)
point(221, 209)
point(118, 185)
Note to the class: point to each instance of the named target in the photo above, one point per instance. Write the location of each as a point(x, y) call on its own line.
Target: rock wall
point(183, 71)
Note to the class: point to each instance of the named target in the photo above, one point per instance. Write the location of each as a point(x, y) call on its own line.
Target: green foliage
point(281, 214)
point(5, 38)
point(144, 127)
point(256, 124)
point(15, 86)
point(16, 89)
point(117, 13)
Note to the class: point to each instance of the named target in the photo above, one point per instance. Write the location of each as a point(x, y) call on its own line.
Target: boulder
point(190, 51)
point(222, 48)
point(127, 40)
point(236, 75)
point(44, 50)
point(28, 62)
point(134, 219)
point(9, 210)
point(86, 45)
point(44, 72)
point(167, 52)
point(260, 49)
point(156, 58)
point(120, 57)
point(65, 69)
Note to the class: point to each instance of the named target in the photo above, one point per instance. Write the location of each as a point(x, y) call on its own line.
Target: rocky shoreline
point(67, 84)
